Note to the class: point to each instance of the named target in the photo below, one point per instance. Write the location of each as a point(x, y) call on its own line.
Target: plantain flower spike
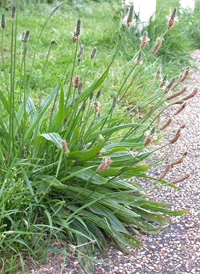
point(3, 21)
point(93, 53)
point(26, 36)
point(129, 20)
point(78, 28)
point(164, 80)
point(54, 10)
point(105, 164)
point(14, 9)
point(172, 19)
point(144, 40)
point(53, 42)
point(158, 72)
point(157, 45)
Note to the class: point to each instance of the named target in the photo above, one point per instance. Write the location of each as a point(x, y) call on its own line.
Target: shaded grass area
point(100, 25)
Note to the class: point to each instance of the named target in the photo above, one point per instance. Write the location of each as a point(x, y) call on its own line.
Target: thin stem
point(37, 44)
point(72, 75)
point(44, 69)
point(3, 62)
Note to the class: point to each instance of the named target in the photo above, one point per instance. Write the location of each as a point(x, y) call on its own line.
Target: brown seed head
point(166, 124)
point(184, 177)
point(64, 146)
point(171, 21)
point(158, 72)
point(195, 91)
point(78, 28)
point(54, 9)
point(14, 9)
point(158, 44)
point(176, 94)
point(179, 161)
point(105, 164)
point(180, 109)
point(93, 53)
point(144, 40)
point(147, 140)
point(185, 74)
point(164, 173)
point(178, 134)
point(53, 42)
point(164, 80)
point(26, 37)
point(3, 21)
point(137, 60)
point(168, 87)
point(75, 83)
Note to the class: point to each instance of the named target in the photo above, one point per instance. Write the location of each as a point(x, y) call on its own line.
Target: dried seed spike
point(158, 44)
point(164, 173)
point(158, 72)
point(26, 37)
point(176, 94)
point(3, 21)
point(178, 134)
point(172, 19)
point(195, 91)
point(182, 126)
point(179, 161)
point(184, 177)
point(129, 19)
point(93, 53)
point(14, 9)
point(148, 140)
point(64, 146)
point(173, 15)
point(180, 109)
point(105, 164)
point(78, 28)
point(137, 60)
point(186, 74)
point(114, 101)
point(54, 9)
point(53, 42)
point(75, 83)
point(144, 40)
point(169, 85)
point(164, 80)
point(167, 123)
point(130, 15)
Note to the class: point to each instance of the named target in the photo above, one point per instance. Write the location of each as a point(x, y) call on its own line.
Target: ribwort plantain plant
point(66, 162)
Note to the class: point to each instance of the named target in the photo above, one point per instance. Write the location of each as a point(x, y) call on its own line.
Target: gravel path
point(175, 249)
